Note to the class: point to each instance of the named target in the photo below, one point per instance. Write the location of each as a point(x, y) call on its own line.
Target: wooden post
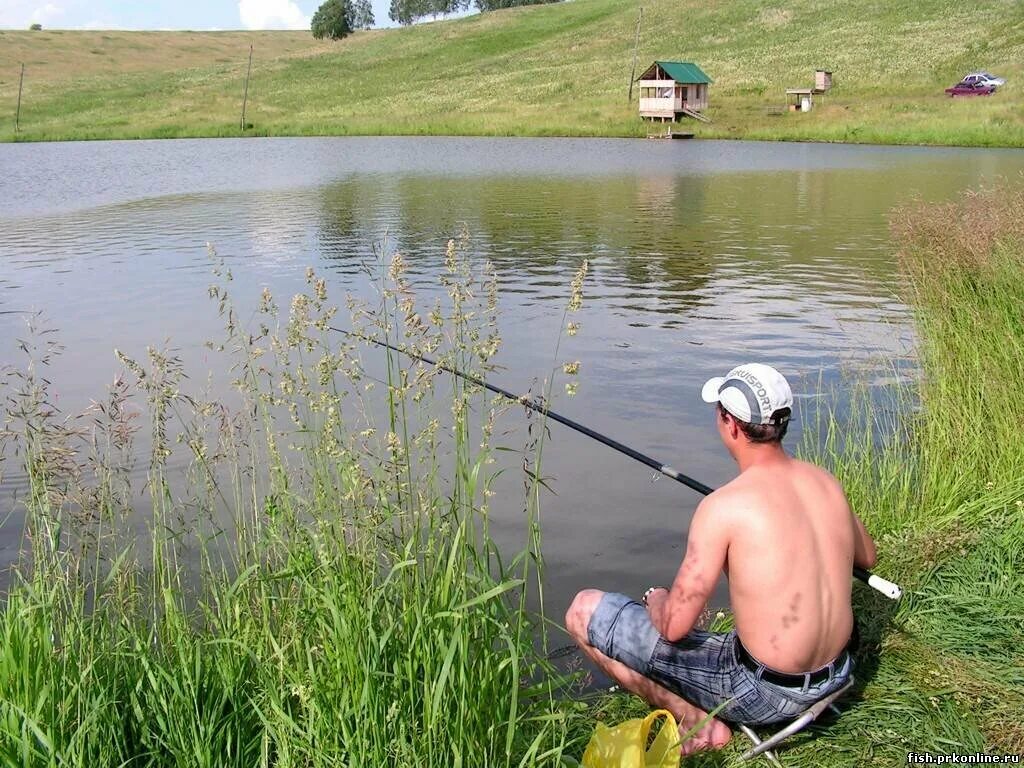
point(636, 48)
point(245, 96)
point(17, 114)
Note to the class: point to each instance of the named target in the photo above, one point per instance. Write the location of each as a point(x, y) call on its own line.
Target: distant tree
point(36, 27)
point(362, 14)
point(403, 11)
point(444, 7)
point(333, 19)
point(408, 11)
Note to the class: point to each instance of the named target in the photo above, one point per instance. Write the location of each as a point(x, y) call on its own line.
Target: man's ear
point(734, 428)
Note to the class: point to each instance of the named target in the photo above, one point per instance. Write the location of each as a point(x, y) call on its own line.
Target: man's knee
point(577, 618)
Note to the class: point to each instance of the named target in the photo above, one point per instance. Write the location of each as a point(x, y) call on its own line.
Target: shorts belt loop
point(760, 671)
point(807, 682)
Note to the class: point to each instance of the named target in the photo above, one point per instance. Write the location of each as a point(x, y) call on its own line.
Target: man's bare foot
point(713, 735)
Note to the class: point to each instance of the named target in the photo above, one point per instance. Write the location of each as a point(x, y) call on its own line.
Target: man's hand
point(656, 601)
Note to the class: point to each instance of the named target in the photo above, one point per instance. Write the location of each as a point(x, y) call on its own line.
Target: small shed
point(822, 80)
point(669, 89)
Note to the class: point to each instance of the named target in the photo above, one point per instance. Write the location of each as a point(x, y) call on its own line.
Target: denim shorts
point(702, 667)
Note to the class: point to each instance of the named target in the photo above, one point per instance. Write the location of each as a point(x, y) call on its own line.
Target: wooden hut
point(669, 89)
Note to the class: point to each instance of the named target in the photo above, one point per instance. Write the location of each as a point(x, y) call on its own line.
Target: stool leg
point(769, 755)
point(808, 717)
point(794, 727)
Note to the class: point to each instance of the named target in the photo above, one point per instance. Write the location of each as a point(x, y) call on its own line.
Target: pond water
point(703, 255)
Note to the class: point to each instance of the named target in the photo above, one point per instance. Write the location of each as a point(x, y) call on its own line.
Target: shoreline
point(525, 135)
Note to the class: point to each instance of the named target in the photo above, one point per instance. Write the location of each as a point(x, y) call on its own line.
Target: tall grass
point(322, 591)
point(939, 478)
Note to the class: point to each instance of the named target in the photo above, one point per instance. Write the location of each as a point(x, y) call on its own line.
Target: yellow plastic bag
point(625, 745)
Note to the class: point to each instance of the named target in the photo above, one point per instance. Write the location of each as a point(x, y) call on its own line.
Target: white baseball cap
point(753, 393)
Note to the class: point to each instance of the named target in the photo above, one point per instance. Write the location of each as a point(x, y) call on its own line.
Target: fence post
point(17, 114)
point(245, 96)
point(636, 47)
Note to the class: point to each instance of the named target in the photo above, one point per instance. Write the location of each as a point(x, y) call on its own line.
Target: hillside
point(545, 70)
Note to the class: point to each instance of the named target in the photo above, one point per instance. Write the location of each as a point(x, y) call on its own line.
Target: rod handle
point(890, 589)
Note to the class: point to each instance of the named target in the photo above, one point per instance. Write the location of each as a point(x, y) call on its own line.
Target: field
point(558, 69)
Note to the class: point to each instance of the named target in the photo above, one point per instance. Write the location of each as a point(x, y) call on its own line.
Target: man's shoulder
point(819, 473)
point(792, 470)
point(749, 484)
point(716, 516)
point(738, 493)
point(759, 489)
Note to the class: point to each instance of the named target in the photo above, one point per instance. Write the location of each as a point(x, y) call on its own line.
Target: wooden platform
point(670, 134)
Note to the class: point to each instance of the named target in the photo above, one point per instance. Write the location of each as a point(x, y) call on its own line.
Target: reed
point(323, 590)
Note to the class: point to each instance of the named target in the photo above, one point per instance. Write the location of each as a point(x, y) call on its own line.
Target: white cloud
point(18, 14)
point(271, 14)
point(47, 13)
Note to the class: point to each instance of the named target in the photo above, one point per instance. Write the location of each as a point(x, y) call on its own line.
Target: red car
point(971, 89)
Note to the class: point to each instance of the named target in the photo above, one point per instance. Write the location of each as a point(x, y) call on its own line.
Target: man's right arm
point(707, 548)
point(864, 553)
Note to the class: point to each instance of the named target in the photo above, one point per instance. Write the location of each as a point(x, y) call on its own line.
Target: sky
point(167, 14)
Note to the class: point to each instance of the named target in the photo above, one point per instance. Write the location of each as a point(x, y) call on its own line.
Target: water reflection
point(535, 232)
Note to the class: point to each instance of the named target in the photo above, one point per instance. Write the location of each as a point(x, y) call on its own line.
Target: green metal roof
point(684, 71)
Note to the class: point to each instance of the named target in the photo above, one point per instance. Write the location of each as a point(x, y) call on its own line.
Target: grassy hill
point(545, 70)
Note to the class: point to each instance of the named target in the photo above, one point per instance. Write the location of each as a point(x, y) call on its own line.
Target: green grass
point(549, 70)
point(946, 491)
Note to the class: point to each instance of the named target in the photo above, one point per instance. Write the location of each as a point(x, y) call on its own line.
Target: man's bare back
point(791, 545)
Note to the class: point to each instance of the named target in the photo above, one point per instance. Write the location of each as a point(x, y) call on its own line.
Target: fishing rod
point(889, 589)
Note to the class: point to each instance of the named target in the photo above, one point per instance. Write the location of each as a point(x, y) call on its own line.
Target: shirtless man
point(785, 537)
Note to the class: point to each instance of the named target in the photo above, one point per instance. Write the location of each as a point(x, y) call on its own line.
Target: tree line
point(336, 19)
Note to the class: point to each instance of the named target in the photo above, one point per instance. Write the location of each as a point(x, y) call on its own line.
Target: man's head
point(753, 400)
